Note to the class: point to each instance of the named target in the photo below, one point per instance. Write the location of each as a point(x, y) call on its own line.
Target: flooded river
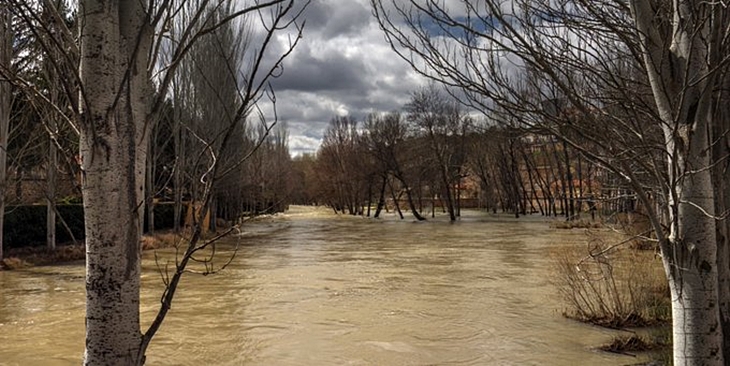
point(311, 288)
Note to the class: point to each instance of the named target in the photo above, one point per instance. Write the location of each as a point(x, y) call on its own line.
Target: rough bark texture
point(110, 187)
point(721, 172)
point(678, 67)
point(5, 100)
point(691, 266)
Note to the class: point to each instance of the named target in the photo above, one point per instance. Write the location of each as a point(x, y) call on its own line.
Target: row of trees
point(433, 154)
point(648, 83)
point(41, 151)
point(144, 99)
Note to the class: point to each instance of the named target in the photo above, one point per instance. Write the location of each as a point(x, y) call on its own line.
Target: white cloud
point(299, 144)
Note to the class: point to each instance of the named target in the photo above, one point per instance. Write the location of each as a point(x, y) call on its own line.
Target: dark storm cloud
point(336, 18)
point(342, 66)
point(329, 72)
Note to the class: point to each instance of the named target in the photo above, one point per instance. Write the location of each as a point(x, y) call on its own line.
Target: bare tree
point(341, 162)
point(385, 139)
point(442, 124)
point(6, 51)
point(642, 83)
point(252, 84)
point(120, 62)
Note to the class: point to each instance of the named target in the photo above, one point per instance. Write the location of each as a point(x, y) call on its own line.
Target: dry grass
point(13, 263)
point(635, 225)
point(576, 224)
point(160, 240)
point(631, 343)
point(619, 287)
point(657, 345)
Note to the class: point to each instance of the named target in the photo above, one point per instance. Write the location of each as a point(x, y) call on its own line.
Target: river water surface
point(311, 288)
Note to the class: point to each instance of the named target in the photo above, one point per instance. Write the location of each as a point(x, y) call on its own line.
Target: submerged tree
point(438, 119)
point(386, 140)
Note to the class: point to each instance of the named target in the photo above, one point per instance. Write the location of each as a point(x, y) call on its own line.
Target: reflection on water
point(309, 288)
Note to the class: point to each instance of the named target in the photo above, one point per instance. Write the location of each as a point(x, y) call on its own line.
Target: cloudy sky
point(342, 66)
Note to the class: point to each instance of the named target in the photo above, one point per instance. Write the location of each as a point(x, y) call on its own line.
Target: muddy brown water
point(311, 288)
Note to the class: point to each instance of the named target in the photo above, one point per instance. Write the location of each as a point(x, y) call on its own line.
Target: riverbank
point(17, 258)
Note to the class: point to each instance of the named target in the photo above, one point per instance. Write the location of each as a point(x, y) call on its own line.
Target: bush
point(617, 287)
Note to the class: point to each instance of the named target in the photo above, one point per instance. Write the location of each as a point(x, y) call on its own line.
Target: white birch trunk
point(679, 77)
point(179, 164)
point(54, 93)
point(5, 100)
point(110, 185)
point(691, 265)
point(149, 184)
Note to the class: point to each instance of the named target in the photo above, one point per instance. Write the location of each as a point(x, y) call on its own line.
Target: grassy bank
point(39, 256)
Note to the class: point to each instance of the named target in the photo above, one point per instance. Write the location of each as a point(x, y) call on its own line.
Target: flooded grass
point(11, 263)
point(657, 344)
point(619, 287)
point(629, 344)
point(576, 224)
point(611, 287)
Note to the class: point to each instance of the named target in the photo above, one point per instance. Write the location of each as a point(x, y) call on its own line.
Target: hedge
point(26, 225)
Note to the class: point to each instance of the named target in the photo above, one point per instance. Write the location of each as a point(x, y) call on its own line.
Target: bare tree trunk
point(563, 183)
point(51, 178)
point(458, 197)
point(52, 125)
point(570, 185)
point(395, 201)
point(412, 205)
point(177, 174)
point(580, 186)
point(140, 35)
point(111, 185)
point(690, 261)
point(150, 184)
point(212, 211)
point(370, 195)
point(449, 197)
point(530, 166)
point(5, 100)
point(381, 198)
point(721, 167)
